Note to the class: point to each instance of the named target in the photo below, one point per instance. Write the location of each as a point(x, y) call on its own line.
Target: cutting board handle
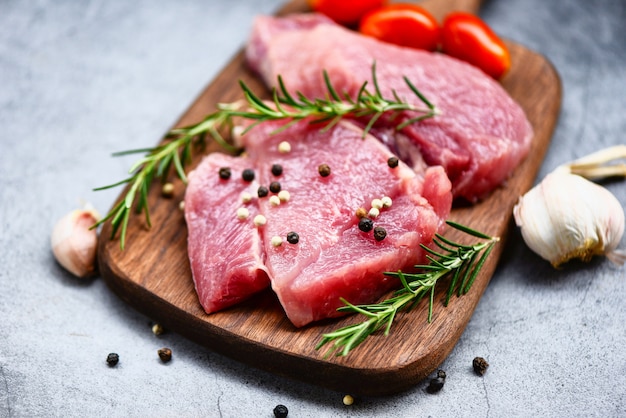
point(440, 8)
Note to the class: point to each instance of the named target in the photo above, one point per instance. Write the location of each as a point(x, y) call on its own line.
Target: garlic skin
point(566, 216)
point(74, 244)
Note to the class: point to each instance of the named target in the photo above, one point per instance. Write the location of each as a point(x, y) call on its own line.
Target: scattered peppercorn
point(165, 354)
point(275, 187)
point(386, 201)
point(284, 196)
point(225, 173)
point(379, 233)
point(243, 213)
point(293, 237)
point(274, 200)
point(259, 220)
point(277, 169)
point(366, 224)
point(281, 411)
point(113, 359)
point(167, 190)
point(276, 241)
point(247, 174)
point(393, 162)
point(157, 329)
point(348, 400)
point(324, 170)
point(181, 205)
point(373, 213)
point(284, 147)
point(237, 132)
point(480, 366)
point(246, 197)
point(262, 191)
point(377, 203)
point(436, 384)
point(361, 213)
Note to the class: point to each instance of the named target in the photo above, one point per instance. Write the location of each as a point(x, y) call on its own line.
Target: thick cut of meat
point(480, 135)
point(225, 252)
point(333, 258)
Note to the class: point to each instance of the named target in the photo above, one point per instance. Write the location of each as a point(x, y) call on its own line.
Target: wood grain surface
point(153, 274)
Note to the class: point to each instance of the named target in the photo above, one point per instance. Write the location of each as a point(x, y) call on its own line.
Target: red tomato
point(346, 12)
point(468, 38)
point(402, 24)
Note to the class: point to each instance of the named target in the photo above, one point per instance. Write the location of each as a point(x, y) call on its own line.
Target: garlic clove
point(566, 216)
point(74, 244)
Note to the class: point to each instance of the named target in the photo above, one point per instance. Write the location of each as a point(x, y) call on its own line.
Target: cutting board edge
point(109, 275)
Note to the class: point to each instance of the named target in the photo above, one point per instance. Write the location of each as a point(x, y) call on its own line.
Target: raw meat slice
point(225, 252)
point(257, 51)
point(333, 258)
point(481, 134)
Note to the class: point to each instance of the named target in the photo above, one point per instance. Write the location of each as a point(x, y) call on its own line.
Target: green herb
point(158, 161)
point(332, 108)
point(462, 262)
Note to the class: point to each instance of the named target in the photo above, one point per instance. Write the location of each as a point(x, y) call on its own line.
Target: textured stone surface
point(79, 80)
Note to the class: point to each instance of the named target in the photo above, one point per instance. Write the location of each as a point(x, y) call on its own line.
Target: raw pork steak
point(225, 253)
point(333, 258)
point(481, 134)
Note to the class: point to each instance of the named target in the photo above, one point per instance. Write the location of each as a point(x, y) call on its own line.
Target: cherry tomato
point(402, 24)
point(468, 38)
point(346, 12)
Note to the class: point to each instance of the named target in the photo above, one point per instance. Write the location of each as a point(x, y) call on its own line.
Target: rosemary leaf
point(286, 96)
point(468, 230)
point(418, 93)
point(178, 164)
point(477, 268)
point(331, 90)
point(110, 186)
point(453, 282)
point(377, 88)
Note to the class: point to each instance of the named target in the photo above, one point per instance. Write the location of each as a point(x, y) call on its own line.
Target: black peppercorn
point(247, 174)
point(480, 366)
point(113, 359)
point(366, 224)
point(379, 233)
point(277, 169)
point(435, 385)
point(392, 162)
point(262, 191)
point(165, 354)
point(324, 170)
point(225, 173)
point(274, 187)
point(281, 411)
point(293, 237)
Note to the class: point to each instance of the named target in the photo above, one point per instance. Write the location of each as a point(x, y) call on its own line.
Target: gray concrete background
point(79, 80)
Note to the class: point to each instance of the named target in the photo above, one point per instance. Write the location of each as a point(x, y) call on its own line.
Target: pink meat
point(333, 258)
point(481, 134)
point(225, 253)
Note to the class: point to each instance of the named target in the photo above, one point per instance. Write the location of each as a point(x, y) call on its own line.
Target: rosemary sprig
point(462, 262)
point(157, 161)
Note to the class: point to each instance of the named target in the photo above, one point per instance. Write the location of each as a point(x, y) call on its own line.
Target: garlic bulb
point(74, 244)
point(567, 216)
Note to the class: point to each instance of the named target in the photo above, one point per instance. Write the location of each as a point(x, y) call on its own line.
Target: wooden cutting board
point(154, 276)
